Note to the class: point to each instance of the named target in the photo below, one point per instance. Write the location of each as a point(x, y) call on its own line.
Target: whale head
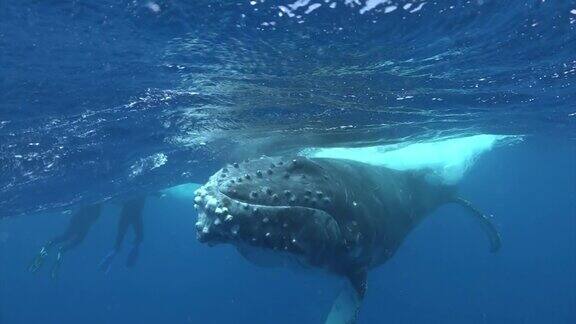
point(279, 204)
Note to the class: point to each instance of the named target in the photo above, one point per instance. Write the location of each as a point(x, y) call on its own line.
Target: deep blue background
point(442, 274)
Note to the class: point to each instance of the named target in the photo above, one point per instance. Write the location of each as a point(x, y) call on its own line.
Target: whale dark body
point(340, 215)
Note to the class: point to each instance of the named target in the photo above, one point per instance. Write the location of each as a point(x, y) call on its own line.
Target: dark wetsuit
point(131, 216)
point(78, 228)
point(75, 233)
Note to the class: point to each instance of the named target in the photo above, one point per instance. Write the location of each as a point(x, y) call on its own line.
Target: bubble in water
point(153, 6)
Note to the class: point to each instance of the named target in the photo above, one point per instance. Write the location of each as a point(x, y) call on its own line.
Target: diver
point(75, 233)
point(131, 216)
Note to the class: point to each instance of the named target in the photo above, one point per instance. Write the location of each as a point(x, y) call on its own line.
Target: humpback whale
point(342, 216)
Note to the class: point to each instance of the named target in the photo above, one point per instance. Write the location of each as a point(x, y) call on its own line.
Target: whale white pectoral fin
point(347, 305)
point(487, 226)
point(448, 158)
point(184, 192)
point(357, 279)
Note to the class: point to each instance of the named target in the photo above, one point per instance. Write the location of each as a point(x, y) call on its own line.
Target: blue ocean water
point(103, 100)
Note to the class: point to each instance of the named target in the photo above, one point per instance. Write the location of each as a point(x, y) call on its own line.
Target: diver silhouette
point(131, 216)
point(75, 233)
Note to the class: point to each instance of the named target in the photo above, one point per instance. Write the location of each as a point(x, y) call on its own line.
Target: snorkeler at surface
point(131, 216)
point(75, 233)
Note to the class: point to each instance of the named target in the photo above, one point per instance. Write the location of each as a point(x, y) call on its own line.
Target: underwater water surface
point(104, 100)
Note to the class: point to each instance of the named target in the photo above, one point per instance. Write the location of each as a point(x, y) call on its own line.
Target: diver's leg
point(38, 260)
point(133, 255)
point(76, 230)
point(75, 224)
point(73, 242)
point(62, 237)
point(67, 235)
point(123, 224)
point(56, 266)
point(138, 226)
point(106, 263)
point(66, 246)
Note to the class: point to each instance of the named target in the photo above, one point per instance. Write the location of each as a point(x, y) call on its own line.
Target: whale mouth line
point(251, 203)
point(240, 201)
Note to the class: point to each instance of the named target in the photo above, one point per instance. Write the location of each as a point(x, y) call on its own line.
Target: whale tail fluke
point(484, 220)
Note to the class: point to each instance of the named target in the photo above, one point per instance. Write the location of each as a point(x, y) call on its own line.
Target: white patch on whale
point(181, 192)
point(448, 158)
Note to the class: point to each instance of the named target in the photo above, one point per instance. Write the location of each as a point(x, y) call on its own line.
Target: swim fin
point(106, 263)
point(38, 261)
point(56, 266)
point(133, 256)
